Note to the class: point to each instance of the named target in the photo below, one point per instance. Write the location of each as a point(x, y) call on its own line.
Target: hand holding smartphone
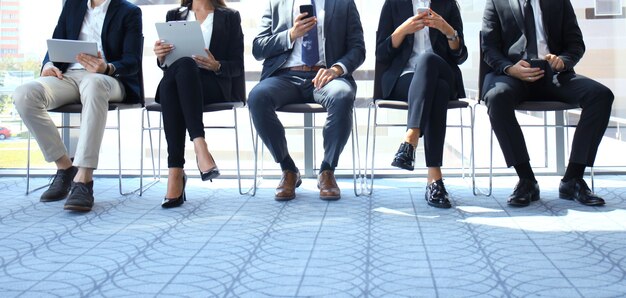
point(543, 65)
point(308, 8)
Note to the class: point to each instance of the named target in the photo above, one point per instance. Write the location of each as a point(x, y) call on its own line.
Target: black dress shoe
point(577, 189)
point(60, 186)
point(175, 202)
point(405, 157)
point(525, 191)
point(80, 198)
point(437, 196)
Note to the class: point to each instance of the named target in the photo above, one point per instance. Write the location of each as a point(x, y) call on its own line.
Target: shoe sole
point(77, 208)
point(284, 199)
point(399, 165)
point(445, 206)
point(570, 198)
point(52, 200)
point(330, 198)
point(532, 199)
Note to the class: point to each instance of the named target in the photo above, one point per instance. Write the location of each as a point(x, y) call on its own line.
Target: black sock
point(525, 171)
point(326, 166)
point(574, 171)
point(288, 164)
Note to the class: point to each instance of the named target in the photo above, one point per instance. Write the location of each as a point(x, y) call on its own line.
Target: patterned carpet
point(222, 244)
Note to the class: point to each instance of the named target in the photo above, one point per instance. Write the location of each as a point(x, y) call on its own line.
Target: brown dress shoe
point(286, 189)
point(329, 191)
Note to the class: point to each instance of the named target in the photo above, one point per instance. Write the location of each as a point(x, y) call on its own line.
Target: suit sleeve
point(232, 66)
point(268, 43)
point(60, 33)
point(573, 44)
point(385, 52)
point(459, 55)
point(492, 40)
point(355, 54)
point(132, 45)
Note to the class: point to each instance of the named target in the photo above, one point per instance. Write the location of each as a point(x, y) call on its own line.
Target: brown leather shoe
point(329, 191)
point(286, 189)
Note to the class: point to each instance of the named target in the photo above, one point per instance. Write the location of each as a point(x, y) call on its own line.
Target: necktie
point(310, 49)
point(529, 28)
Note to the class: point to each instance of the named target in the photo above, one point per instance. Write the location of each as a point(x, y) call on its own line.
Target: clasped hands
point(91, 63)
point(522, 70)
point(162, 49)
point(425, 19)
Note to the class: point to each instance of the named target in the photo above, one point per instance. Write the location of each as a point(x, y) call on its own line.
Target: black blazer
point(503, 40)
point(226, 47)
point(391, 62)
point(122, 41)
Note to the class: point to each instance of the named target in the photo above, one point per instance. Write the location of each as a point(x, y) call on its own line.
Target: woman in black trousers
point(191, 82)
point(418, 49)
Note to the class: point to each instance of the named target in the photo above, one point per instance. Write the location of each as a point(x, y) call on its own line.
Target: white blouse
point(206, 26)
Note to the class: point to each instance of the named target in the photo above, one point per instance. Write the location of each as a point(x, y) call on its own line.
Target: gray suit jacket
point(342, 29)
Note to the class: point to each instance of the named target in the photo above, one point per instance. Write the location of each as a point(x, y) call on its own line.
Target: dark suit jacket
point(226, 47)
point(342, 29)
point(391, 62)
point(122, 41)
point(504, 42)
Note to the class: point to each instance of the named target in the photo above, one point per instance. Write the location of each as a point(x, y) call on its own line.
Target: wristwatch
point(454, 36)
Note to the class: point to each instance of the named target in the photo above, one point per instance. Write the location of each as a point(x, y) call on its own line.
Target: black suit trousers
point(183, 91)
point(427, 92)
point(503, 93)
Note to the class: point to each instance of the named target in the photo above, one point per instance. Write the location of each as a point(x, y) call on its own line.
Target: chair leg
point(356, 157)
point(28, 165)
point(145, 116)
point(251, 189)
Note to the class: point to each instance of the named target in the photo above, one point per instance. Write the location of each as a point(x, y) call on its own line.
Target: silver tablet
point(65, 50)
point(186, 37)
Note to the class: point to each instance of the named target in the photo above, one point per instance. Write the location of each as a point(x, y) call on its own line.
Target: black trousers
point(183, 91)
point(503, 93)
point(427, 92)
point(296, 87)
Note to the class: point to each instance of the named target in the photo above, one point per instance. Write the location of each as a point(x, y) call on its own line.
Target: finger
point(57, 72)
point(99, 55)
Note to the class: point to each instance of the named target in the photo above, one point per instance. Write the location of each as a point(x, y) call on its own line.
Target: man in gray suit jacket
point(307, 59)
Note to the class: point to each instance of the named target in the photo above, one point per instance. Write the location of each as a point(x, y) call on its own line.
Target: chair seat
point(403, 105)
point(302, 108)
point(77, 108)
point(542, 106)
point(212, 107)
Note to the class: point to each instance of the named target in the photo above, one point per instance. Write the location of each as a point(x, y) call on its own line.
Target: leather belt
point(306, 68)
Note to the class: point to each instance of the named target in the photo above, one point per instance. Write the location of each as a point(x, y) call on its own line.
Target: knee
point(341, 98)
point(498, 102)
point(27, 94)
point(94, 84)
point(604, 96)
point(258, 99)
point(184, 64)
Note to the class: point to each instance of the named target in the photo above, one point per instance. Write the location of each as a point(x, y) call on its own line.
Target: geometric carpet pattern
point(392, 244)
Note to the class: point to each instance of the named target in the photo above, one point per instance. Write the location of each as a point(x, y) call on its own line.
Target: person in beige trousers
point(93, 81)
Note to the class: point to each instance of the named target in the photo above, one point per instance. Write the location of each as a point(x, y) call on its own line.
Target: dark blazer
point(226, 47)
point(122, 41)
point(503, 38)
point(391, 62)
point(342, 29)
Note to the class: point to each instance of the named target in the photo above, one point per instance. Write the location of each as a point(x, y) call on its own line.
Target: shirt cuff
point(289, 41)
point(343, 67)
point(505, 68)
point(48, 64)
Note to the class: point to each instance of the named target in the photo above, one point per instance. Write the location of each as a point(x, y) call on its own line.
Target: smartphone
point(422, 10)
point(539, 63)
point(308, 8)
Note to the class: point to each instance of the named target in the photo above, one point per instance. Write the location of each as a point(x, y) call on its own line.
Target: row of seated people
point(310, 58)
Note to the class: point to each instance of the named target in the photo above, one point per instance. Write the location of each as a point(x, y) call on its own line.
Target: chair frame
point(377, 104)
point(209, 108)
point(311, 109)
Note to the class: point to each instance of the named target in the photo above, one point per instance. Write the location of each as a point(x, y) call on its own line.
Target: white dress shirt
point(91, 29)
point(542, 41)
point(206, 27)
point(421, 44)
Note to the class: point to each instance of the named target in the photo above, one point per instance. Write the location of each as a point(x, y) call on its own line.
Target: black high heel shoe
point(211, 173)
point(171, 203)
